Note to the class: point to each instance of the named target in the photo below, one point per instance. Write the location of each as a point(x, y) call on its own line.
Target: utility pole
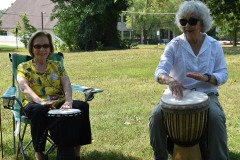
point(42, 19)
point(17, 38)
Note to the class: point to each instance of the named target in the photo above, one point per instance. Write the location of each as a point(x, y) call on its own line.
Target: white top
point(179, 59)
point(189, 98)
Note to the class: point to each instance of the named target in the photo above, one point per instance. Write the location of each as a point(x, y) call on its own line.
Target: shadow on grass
point(231, 50)
point(108, 155)
point(234, 155)
point(112, 155)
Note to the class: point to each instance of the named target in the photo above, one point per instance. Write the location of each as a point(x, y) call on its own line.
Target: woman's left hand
point(197, 76)
point(67, 105)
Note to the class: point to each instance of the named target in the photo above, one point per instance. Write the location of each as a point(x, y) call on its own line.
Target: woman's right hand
point(49, 103)
point(176, 89)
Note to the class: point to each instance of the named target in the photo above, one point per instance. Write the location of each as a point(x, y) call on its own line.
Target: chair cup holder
point(8, 103)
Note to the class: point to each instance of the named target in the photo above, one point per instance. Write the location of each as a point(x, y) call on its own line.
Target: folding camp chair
point(12, 100)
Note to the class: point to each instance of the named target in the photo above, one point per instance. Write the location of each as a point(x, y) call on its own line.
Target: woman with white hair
point(192, 60)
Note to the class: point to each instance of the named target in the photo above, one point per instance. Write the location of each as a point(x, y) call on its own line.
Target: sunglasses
point(191, 21)
point(38, 46)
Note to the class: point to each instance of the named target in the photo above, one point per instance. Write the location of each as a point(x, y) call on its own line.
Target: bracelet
point(209, 77)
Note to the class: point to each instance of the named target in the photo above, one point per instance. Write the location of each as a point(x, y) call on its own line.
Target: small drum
point(64, 112)
point(64, 128)
point(185, 119)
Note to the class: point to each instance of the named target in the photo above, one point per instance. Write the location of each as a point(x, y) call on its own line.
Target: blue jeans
point(217, 134)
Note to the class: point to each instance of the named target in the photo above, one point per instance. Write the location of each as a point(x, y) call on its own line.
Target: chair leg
point(1, 132)
point(25, 147)
point(20, 138)
point(14, 139)
point(20, 147)
point(52, 147)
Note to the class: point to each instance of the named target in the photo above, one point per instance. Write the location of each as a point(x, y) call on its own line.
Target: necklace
point(41, 68)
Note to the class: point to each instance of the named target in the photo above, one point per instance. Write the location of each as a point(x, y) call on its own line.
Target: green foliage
point(100, 46)
point(24, 30)
point(126, 43)
point(88, 22)
point(226, 15)
point(88, 33)
point(99, 21)
point(60, 46)
point(0, 27)
point(69, 16)
point(149, 19)
point(2, 12)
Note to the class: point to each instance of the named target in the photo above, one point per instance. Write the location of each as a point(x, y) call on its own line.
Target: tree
point(24, 29)
point(1, 14)
point(150, 19)
point(226, 14)
point(99, 24)
point(94, 23)
point(69, 16)
point(0, 27)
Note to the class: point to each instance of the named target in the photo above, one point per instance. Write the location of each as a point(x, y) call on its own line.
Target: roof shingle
point(33, 9)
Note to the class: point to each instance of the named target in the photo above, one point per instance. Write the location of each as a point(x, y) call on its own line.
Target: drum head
point(189, 98)
point(64, 111)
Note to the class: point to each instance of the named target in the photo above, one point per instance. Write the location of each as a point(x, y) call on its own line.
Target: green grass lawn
point(10, 48)
point(120, 114)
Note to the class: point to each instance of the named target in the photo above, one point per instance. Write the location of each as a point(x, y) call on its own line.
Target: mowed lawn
point(120, 114)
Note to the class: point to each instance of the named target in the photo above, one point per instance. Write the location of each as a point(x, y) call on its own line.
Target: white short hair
point(199, 10)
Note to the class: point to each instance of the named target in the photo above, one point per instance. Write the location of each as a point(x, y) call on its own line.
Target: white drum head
point(189, 97)
point(63, 111)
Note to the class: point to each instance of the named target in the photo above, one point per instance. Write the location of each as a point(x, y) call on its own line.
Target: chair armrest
point(8, 97)
point(10, 93)
point(78, 88)
point(85, 89)
point(89, 92)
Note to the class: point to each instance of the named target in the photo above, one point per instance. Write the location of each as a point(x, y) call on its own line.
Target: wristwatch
point(209, 77)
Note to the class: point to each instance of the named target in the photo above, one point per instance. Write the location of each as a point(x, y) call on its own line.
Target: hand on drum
point(176, 89)
point(197, 76)
point(49, 103)
point(67, 105)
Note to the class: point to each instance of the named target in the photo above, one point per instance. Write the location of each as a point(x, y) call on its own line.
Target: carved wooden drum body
point(185, 119)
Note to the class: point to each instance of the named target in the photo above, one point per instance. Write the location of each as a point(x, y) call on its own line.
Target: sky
point(4, 4)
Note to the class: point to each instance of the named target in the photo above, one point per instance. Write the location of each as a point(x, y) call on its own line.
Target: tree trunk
point(235, 32)
point(145, 36)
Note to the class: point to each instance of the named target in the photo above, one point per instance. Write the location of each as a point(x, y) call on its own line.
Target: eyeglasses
point(191, 21)
point(38, 46)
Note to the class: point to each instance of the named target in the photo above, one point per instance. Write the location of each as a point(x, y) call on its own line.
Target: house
point(37, 11)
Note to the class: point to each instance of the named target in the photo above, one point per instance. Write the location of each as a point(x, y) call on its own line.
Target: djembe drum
point(185, 121)
point(64, 132)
